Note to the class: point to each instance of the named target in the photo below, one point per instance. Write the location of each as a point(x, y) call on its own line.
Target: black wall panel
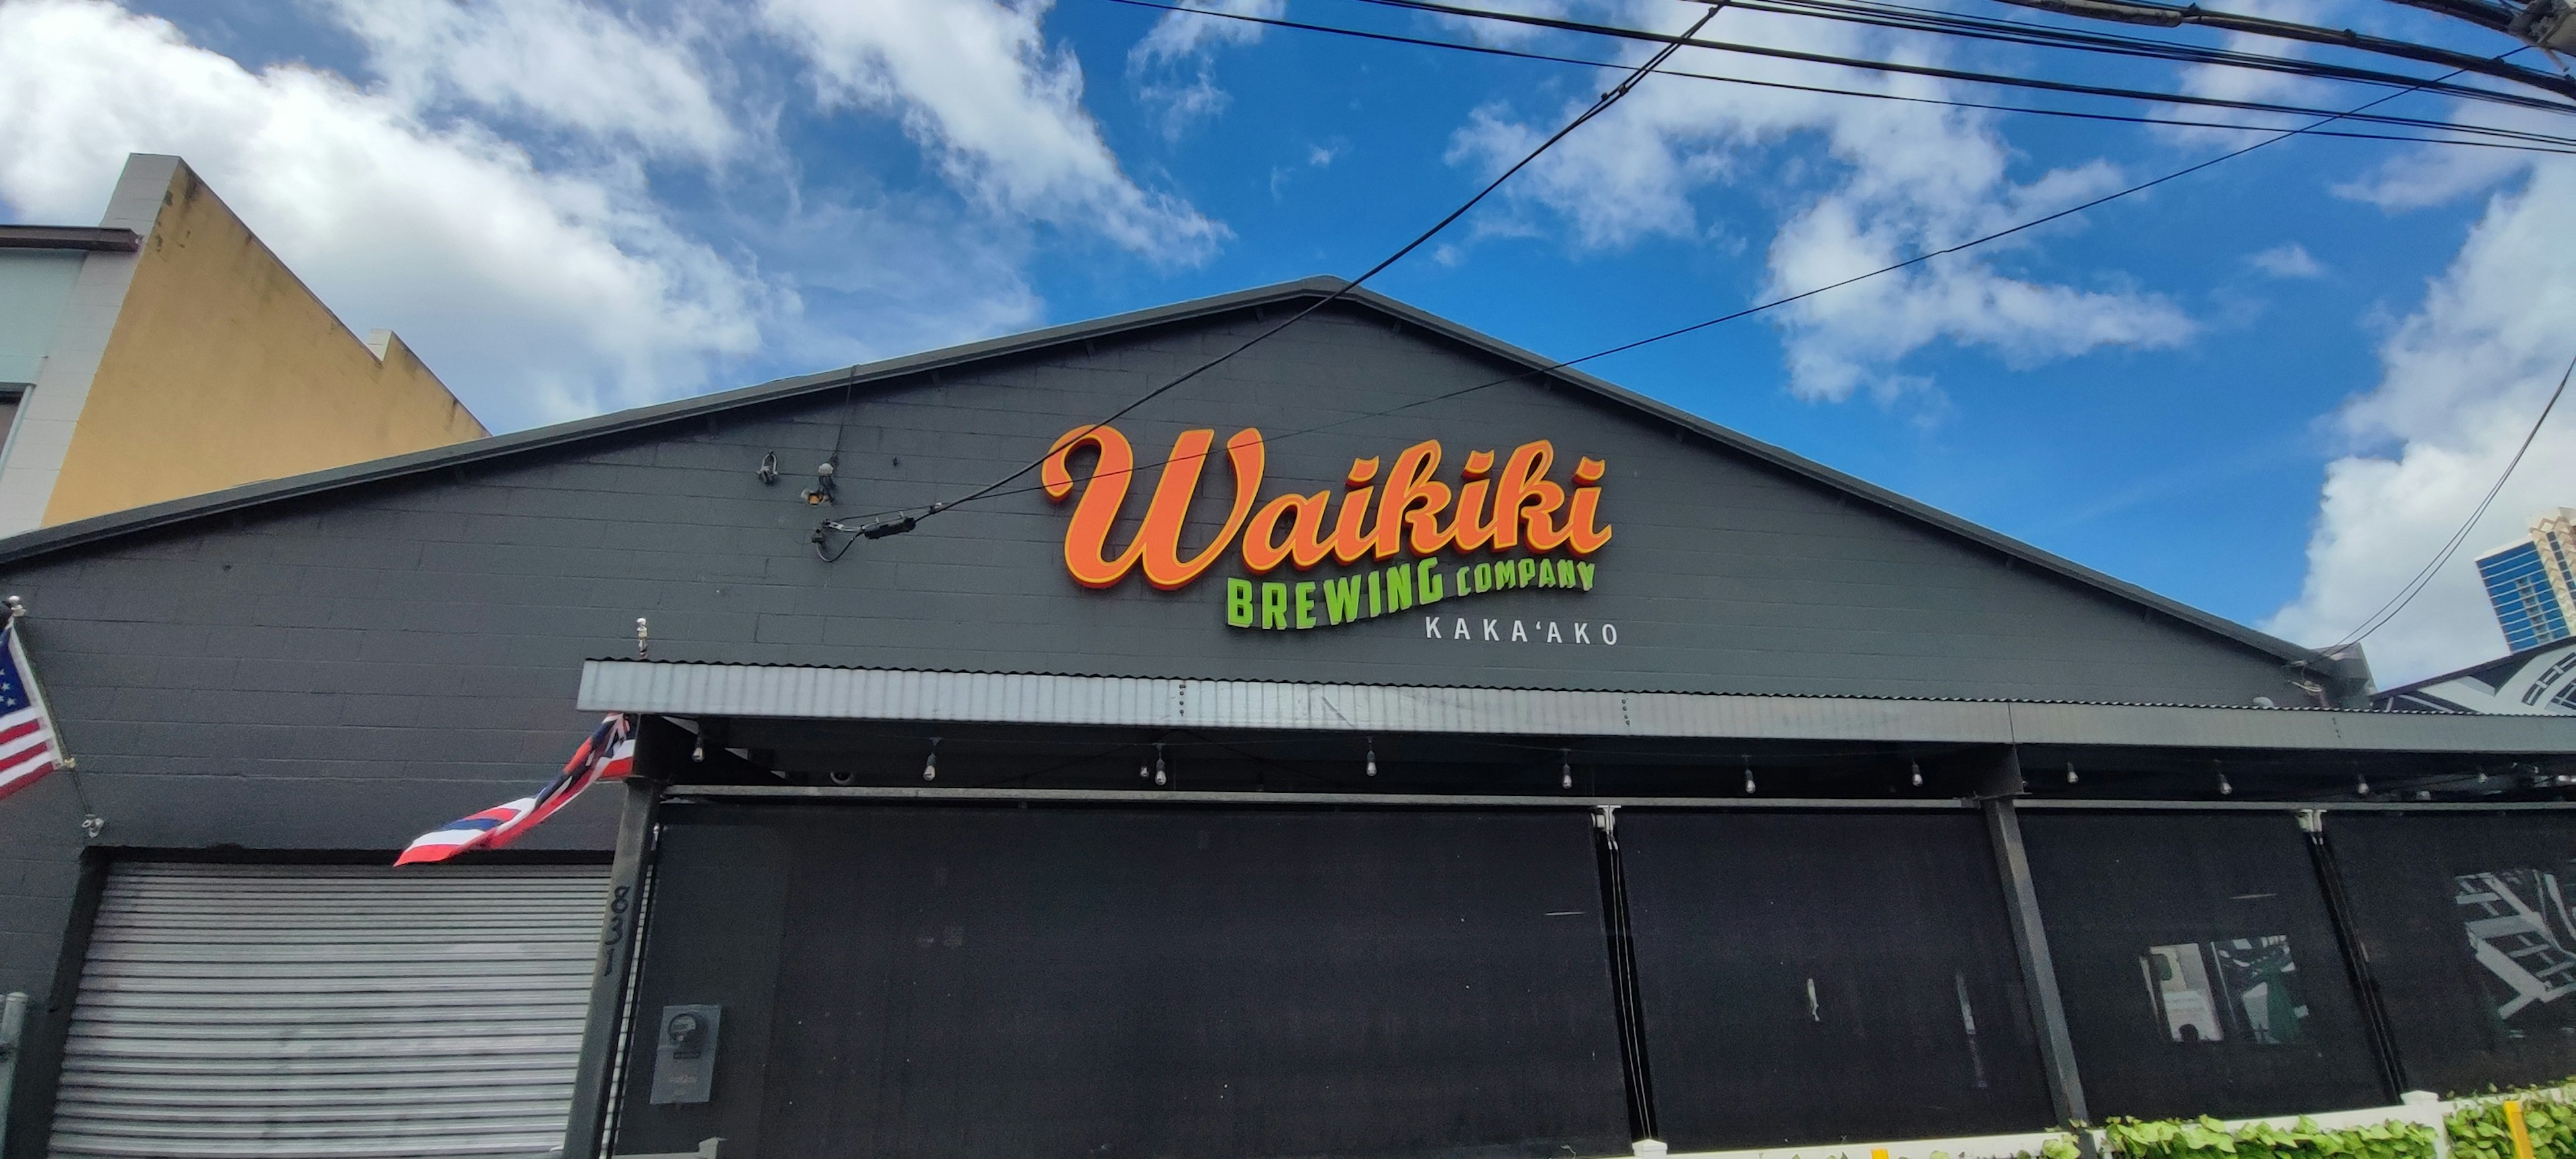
point(1066, 982)
point(2199, 965)
point(1818, 977)
point(2466, 922)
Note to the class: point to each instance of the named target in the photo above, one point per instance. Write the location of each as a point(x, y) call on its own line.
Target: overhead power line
point(2513, 138)
point(2397, 82)
point(1598, 107)
point(1888, 15)
point(2173, 16)
point(2415, 586)
point(1774, 303)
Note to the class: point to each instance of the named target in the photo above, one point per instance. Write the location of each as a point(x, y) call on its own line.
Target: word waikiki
point(1276, 605)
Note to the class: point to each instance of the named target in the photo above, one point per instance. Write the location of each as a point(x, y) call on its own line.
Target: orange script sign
point(1412, 511)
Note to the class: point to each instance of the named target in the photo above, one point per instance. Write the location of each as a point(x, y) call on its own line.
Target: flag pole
point(91, 823)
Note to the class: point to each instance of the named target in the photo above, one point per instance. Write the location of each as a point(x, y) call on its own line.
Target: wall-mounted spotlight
point(768, 472)
point(822, 491)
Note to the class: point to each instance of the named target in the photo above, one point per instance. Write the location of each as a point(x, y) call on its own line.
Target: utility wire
point(2561, 144)
point(995, 491)
point(2414, 587)
point(2438, 84)
point(2170, 16)
point(1599, 106)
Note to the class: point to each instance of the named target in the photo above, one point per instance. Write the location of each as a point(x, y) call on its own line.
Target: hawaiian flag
point(608, 755)
point(27, 749)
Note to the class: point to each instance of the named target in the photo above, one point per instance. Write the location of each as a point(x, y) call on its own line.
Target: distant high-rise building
point(2532, 582)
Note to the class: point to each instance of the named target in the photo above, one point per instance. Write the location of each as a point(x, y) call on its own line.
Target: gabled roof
point(47, 541)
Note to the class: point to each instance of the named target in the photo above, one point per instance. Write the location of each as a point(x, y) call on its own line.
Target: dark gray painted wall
point(345, 670)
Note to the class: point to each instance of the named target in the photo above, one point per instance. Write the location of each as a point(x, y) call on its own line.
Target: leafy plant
point(2479, 1129)
point(2207, 1138)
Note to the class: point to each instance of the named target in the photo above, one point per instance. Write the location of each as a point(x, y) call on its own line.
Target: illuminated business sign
point(1530, 530)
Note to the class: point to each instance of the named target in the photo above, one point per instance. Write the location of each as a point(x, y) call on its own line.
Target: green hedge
point(2478, 1129)
point(2207, 1138)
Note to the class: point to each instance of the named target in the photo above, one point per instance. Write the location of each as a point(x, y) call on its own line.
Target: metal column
point(2038, 969)
point(600, 1038)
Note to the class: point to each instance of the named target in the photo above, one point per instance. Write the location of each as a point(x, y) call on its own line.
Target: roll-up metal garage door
point(231, 1010)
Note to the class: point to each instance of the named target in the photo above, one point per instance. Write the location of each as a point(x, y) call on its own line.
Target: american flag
point(608, 755)
point(27, 750)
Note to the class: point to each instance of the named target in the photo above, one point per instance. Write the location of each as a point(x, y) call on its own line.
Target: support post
point(13, 1027)
point(1623, 975)
point(2356, 954)
point(2038, 969)
point(618, 927)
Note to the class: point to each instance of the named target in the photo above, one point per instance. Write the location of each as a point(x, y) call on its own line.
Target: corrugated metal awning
point(887, 694)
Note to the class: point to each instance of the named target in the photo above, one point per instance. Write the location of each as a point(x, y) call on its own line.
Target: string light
point(1565, 771)
point(2361, 784)
point(1372, 756)
point(1748, 775)
point(930, 768)
point(2070, 772)
point(1159, 778)
point(1917, 766)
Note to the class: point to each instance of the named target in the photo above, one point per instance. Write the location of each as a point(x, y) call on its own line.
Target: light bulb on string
point(2361, 784)
point(1917, 767)
point(2070, 772)
point(1565, 770)
point(1748, 775)
point(1372, 756)
point(1159, 777)
point(930, 768)
point(2224, 789)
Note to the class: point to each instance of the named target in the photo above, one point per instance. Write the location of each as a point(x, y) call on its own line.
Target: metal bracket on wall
point(706, 1150)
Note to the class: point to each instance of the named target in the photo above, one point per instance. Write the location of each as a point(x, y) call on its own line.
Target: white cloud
point(2429, 175)
point(1178, 35)
point(557, 62)
point(2287, 260)
point(1504, 33)
point(2461, 381)
point(975, 84)
point(536, 295)
point(1173, 68)
point(1904, 178)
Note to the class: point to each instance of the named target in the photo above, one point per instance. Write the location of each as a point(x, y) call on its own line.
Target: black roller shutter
point(2465, 919)
point(1810, 978)
point(2199, 965)
point(1075, 982)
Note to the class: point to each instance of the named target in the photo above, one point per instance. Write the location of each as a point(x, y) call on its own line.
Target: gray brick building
point(1782, 787)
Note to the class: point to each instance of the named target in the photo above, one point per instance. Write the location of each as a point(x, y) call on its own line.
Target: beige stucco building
point(2554, 533)
point(167, 353)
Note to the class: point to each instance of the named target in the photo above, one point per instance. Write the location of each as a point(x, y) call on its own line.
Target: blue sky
point(2270, 389)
